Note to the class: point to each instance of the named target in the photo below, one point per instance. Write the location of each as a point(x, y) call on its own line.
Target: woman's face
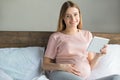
point(72, 17)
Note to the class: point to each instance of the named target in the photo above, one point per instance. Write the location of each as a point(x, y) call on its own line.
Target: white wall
point(42, 15)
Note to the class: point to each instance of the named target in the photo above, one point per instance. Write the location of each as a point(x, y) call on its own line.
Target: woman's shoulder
point(87, 34)
point(55, 34)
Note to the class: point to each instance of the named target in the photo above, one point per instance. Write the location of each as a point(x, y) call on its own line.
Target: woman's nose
point(73, 18)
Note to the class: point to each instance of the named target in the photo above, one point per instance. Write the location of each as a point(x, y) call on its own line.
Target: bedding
point(41, 77)
point(4, 76)
point(109, 64)
point(26, 63)
point(21, 63)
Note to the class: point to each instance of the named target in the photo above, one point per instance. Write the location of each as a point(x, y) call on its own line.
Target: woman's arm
point(94, 58)
point(48, 64)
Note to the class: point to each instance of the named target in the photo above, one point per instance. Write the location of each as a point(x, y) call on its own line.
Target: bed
point(37, 40)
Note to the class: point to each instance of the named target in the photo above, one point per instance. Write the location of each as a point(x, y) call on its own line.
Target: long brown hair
point(61, 23)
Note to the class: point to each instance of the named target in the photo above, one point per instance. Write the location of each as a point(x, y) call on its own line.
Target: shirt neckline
point(70, 34)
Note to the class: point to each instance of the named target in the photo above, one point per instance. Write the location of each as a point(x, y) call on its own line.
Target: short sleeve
point(90, 36)
point(51, 48)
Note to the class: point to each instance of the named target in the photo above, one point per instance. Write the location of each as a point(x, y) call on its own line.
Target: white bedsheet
point(42, 77)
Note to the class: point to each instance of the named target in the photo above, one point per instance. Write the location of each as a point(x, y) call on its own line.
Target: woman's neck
point(70, 31)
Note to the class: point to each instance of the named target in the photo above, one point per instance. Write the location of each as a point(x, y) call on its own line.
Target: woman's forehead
point(71, 10)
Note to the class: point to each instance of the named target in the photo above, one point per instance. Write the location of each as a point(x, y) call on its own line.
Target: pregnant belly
point(84, 69)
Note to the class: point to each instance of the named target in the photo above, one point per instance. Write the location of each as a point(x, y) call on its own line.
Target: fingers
point(104, 50)
point(71, 68)
point(105, 46)
point(75, 71)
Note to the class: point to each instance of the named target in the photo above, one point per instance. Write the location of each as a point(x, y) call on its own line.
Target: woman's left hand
point(97, 56)
point(103, 51)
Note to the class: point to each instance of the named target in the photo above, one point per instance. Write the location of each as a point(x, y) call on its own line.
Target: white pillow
point(21, 63)
point(4, 76)
point(109, 64)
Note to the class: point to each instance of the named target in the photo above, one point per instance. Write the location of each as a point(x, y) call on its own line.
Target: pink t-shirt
point(70, 49)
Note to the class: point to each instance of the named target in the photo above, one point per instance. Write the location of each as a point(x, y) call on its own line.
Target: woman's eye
point(75, 14)
point(67, 16)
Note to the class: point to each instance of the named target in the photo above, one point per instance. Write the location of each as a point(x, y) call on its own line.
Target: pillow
point(4, 76)
point(108, 64)
point(21, 63)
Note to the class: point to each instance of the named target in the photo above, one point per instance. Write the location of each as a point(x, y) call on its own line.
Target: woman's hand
point(70, 68)
point(103, 51)
point(49, 65)
point(94, 58)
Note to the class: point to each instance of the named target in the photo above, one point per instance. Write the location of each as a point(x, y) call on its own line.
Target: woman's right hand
point(70, 68)
point(49, 65)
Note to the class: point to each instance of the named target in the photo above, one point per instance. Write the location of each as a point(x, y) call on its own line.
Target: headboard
point(40, 38)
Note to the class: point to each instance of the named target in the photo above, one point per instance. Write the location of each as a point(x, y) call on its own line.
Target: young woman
point(66, 56)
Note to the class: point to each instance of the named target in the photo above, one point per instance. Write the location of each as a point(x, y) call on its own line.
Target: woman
point(66, 55)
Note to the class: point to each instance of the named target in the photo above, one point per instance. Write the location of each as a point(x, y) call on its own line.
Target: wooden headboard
point(40, 38)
